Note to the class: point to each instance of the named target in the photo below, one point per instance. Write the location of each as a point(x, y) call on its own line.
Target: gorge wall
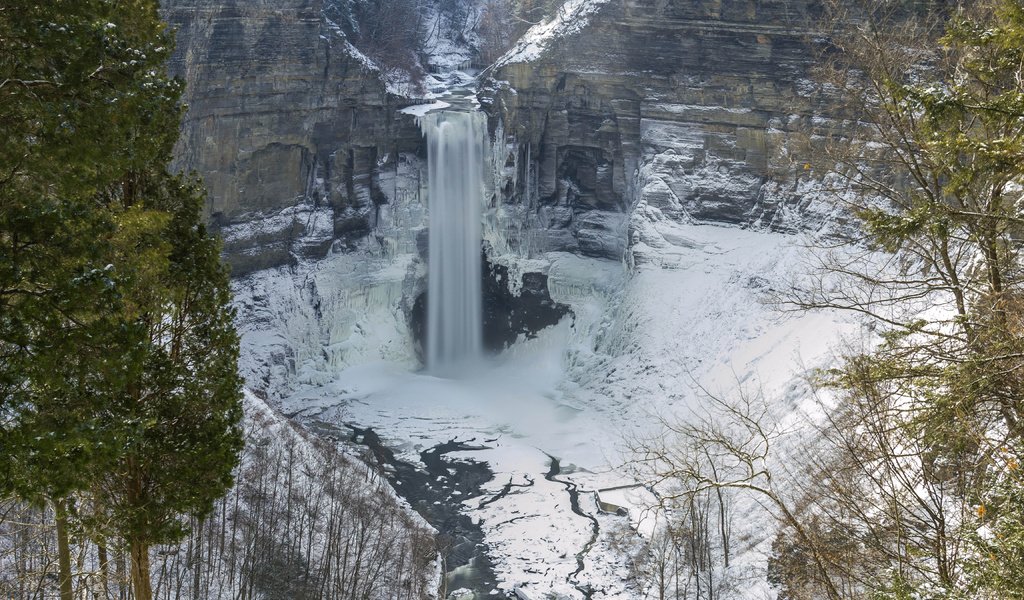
point(690, 111)
point(688, 108)
point(612, 122)
point(291, 128)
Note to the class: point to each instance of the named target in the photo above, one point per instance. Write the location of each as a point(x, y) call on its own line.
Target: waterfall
point(455, 152)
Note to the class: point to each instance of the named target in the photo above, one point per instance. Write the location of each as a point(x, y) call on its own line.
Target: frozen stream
point(497, 463)
point(631, 352)
point(436, 488)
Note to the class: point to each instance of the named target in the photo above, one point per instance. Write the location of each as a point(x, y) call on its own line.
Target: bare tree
point(391, 32)
point(497, 29)
point(927, 154)
point(885, 511)
point(697, 464)
point(303, 521)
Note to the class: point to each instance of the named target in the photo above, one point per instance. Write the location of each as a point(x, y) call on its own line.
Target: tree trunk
point(140, 570)
point(101, 555)
point(119, 568)
point(197, 561)
point(723, 526)
point(63, 550)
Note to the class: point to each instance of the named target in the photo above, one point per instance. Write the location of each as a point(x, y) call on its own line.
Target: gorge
point(642, 191)
point(522, 299)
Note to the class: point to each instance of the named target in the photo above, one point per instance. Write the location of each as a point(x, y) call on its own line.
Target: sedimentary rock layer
point(284, 118)
point(686, 106)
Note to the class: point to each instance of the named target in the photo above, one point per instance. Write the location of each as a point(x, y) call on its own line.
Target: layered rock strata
point(684, 110)
point(293, 131)
point(640, 115)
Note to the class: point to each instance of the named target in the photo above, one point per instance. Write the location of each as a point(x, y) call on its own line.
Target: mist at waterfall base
point(519, 393)
point(512, 392)
point(455, 151)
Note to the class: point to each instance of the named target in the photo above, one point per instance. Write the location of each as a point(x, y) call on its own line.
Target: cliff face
point(682, 110)
point(613, 124)
point(290, 127)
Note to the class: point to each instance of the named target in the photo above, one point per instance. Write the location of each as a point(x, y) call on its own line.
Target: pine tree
point(71, 74)
point(177, 413)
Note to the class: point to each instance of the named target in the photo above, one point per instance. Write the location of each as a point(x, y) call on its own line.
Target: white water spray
point(455, 152)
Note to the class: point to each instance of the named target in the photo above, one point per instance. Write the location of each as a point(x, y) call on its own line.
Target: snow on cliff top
point(572, 17)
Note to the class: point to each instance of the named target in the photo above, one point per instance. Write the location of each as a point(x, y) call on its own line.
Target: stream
point(438, 489)
point(574, 503)
point(437, 493)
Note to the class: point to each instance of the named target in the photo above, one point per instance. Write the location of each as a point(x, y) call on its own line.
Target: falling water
point(454, 314)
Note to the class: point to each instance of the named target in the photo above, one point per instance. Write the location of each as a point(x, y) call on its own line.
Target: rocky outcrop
point(689, 108)
point(291, 128)
point(512, 310)
point(511, 317)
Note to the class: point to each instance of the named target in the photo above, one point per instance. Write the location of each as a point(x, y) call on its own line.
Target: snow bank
point(639, 347)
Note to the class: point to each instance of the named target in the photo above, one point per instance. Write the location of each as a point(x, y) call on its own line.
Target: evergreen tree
point(67, 83)
point(177, 411)
point(937, 169)
point(73, 76)
point(117, 355)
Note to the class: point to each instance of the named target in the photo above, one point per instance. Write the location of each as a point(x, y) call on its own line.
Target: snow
point(571, 18)
point(419, 110)
point(531, 532)
point(301, 328)
point(449, 51)
point(691, 109)
point(314, 223)
point(640, 344)
point(637, 501)
point(686, 309)
point(301, 324)
point(396, 81)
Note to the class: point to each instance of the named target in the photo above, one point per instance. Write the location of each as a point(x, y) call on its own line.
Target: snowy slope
point(297, 500)
point(570, 18)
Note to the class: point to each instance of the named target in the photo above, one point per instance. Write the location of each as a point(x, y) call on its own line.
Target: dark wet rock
point(507, 315)
point(436, 492)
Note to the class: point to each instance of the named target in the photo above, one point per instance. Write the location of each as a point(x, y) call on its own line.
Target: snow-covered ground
point(570, 18)
point(640, 346)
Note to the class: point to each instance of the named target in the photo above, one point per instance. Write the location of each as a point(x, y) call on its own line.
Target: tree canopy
point(117, 350)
